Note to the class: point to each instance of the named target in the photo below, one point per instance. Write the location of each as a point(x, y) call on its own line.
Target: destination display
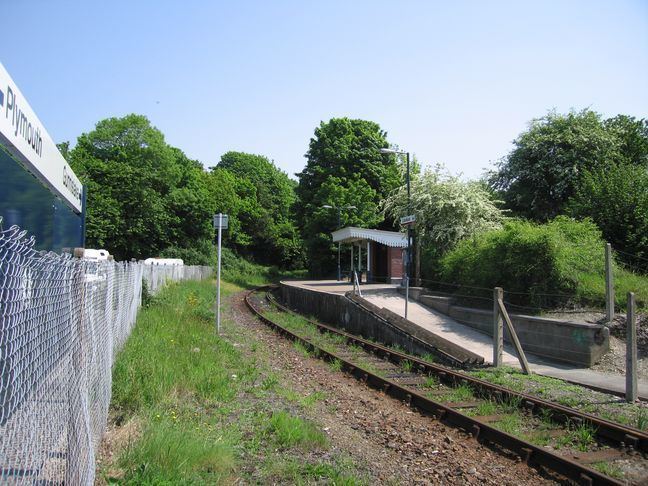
point(24, 137)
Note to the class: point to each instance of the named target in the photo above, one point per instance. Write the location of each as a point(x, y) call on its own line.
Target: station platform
point(386, 296)
point(337, 286)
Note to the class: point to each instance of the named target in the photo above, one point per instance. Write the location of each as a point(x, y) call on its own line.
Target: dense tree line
point(147, 198)
point(581, 165)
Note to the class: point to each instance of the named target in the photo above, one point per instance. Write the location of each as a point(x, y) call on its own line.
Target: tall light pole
point(408, 262)
point(339, 210)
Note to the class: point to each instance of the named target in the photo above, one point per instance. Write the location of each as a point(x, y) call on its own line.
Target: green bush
point(557, 264)
point(616, 198)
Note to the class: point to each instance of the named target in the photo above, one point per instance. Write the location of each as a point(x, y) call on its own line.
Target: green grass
point(406, 366)
point(642, 419)
point(511, 423)
point(207, 412)
point(608, 469)
point(291, 471)
point(431, 382)
point(169, 454)
point(582, 437)
point(336, 365)
point(289, 431)
point(486, 408)
point(461, 393)
point(591, 288)
point(171, 352)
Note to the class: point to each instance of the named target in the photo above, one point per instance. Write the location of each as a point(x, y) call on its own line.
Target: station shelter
point(376, 253)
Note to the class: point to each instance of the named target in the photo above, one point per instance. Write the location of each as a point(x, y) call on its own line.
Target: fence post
point(498, 331)
point(516, 342)
point(631, 350)
point(609, 284)
point(78, 441)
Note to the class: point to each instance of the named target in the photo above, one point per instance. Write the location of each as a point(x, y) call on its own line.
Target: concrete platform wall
point(339, 311)
point(571, 342)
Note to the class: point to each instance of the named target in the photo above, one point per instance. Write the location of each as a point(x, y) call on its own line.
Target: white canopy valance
point(351, 234)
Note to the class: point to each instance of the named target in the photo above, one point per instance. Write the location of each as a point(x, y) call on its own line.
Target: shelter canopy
point(351, 234)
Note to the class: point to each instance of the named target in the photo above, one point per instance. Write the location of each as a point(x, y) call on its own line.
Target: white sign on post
point(22, 133)
point(408, 219)
point(220, 223)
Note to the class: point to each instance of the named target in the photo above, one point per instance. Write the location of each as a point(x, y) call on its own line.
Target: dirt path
point(383, 436)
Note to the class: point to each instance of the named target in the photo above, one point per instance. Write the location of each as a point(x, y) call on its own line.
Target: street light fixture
point(339, 210)
point(408, 263)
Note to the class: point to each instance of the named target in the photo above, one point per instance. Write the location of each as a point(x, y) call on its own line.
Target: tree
point(447, 209)
point(144, 196)
point(616, 199)
point(542, 172)
point(344, 167)
point(265, 209)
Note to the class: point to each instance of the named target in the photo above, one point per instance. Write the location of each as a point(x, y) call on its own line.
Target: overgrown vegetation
point(208, 413)
point(147, 198)
point(559, 263)
point(552, 389)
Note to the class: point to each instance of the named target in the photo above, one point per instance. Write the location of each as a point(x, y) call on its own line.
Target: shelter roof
point(351, 234)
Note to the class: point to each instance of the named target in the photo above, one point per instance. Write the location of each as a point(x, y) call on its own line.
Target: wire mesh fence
point(62, 321)
point(156, 276)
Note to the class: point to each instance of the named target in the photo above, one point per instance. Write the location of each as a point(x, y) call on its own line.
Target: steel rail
point(530, 453)
point(619, 434)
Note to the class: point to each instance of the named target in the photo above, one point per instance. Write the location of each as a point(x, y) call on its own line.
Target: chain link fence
point(62, 321)
point(156, 276)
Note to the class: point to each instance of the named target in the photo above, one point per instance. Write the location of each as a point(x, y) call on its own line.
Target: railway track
point(476, 406)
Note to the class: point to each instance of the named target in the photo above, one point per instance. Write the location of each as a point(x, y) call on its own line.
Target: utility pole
point(409, 220)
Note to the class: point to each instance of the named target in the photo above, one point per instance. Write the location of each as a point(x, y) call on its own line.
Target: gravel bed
point(393, 443)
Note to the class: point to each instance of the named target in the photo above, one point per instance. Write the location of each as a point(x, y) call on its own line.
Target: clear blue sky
point(453, 82)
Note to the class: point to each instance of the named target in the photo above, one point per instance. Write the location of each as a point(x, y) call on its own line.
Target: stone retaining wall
point(359, 317)
point(571, 342)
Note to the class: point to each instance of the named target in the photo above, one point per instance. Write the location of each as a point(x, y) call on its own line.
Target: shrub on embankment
point(239, 270)
point(541, 266)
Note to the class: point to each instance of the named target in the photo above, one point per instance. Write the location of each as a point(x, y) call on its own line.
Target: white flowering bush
point(447, 208)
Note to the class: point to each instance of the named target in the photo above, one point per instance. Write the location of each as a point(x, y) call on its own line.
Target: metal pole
point(631, 350)
point(339, 275)
point(84, 209)
point(220, 232)
point(409, 238)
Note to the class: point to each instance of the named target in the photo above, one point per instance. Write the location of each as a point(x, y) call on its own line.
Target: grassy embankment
point(205, 409)
point(541, 267)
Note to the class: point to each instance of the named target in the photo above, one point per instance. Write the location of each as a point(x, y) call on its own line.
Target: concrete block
point(577, 343)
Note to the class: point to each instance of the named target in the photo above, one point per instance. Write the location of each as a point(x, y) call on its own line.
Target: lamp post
point(408, 262)
point(339, 210)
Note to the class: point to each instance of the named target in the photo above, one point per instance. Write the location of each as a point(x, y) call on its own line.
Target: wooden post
point(631, 350)
point(498, 331)
point(609, 284)
point(516, 342)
